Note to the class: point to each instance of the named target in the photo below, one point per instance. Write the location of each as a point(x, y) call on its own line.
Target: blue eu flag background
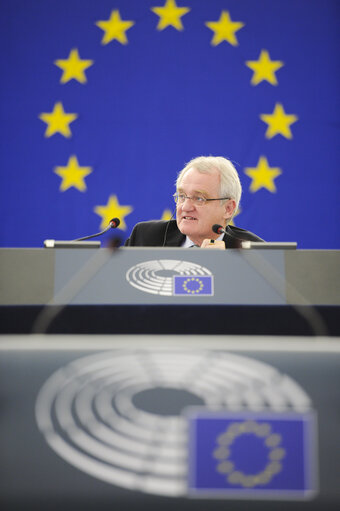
point(251, 454)
point(102, 103)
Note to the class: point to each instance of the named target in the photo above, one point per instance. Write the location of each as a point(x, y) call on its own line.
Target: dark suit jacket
point(160, 233)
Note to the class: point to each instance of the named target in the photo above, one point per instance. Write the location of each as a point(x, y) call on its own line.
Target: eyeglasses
point(197, 200)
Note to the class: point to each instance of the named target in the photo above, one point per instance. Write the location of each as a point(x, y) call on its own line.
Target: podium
point(169, 290)
point(208, 336)
point(105, 420)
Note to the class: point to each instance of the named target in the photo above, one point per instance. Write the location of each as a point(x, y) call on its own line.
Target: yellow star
point(264, 68)
point(73, 67)
point(278, 122)
point(262, 176)
point(115, 28)
point(170, 14)
point(167, 215)
point(58, 121)
point(73, 175)
point(111, 210)
point(224, 29)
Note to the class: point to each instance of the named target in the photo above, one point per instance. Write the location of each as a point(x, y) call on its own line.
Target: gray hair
point(230, 185)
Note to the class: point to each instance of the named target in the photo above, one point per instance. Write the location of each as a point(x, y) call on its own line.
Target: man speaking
point(208, 192)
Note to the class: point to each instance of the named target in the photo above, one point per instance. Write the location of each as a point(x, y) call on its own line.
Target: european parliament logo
point(126, 417)
point(170, 277)
point(252, 455)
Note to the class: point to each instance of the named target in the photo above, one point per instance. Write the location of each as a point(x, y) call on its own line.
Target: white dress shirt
point(187, 243)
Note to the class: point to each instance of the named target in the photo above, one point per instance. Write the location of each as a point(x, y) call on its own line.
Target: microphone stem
point(94, 235)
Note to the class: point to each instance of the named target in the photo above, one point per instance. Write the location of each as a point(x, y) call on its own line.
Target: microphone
point(218, 229)
point(113, 224)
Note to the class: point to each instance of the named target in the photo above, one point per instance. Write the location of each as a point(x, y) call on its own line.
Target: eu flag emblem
point(252, 455)
point(193, 285)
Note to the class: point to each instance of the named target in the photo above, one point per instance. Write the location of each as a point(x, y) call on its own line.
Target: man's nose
point(188, 202)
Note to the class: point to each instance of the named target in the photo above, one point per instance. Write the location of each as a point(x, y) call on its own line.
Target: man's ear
point(230, 207)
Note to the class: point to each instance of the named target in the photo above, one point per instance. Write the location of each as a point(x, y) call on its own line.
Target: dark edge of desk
point(173, 319)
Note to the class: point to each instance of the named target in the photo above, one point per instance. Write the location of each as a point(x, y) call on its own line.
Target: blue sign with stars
point(103, 103)
point(252, 455)
point(193, 285)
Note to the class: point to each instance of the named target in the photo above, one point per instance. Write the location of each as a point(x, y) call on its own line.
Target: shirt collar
point(187, 243)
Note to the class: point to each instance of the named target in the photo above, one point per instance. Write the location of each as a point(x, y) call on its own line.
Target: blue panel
point(193, 285)
point(148, 106)
point(252, 455)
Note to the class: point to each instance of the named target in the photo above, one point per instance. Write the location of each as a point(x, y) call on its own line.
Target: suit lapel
point(230, 240)
point(174, 236)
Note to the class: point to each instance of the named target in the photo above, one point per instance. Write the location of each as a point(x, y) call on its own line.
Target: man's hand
point(218, 244)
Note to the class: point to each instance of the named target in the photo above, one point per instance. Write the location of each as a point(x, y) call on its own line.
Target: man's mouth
point(188, 218)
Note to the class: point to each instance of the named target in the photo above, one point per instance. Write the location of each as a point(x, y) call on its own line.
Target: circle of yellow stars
point(193, 291)
point(262, 431)
point(170, 14)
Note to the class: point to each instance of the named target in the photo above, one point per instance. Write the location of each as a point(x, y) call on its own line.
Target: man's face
point(196, 221)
